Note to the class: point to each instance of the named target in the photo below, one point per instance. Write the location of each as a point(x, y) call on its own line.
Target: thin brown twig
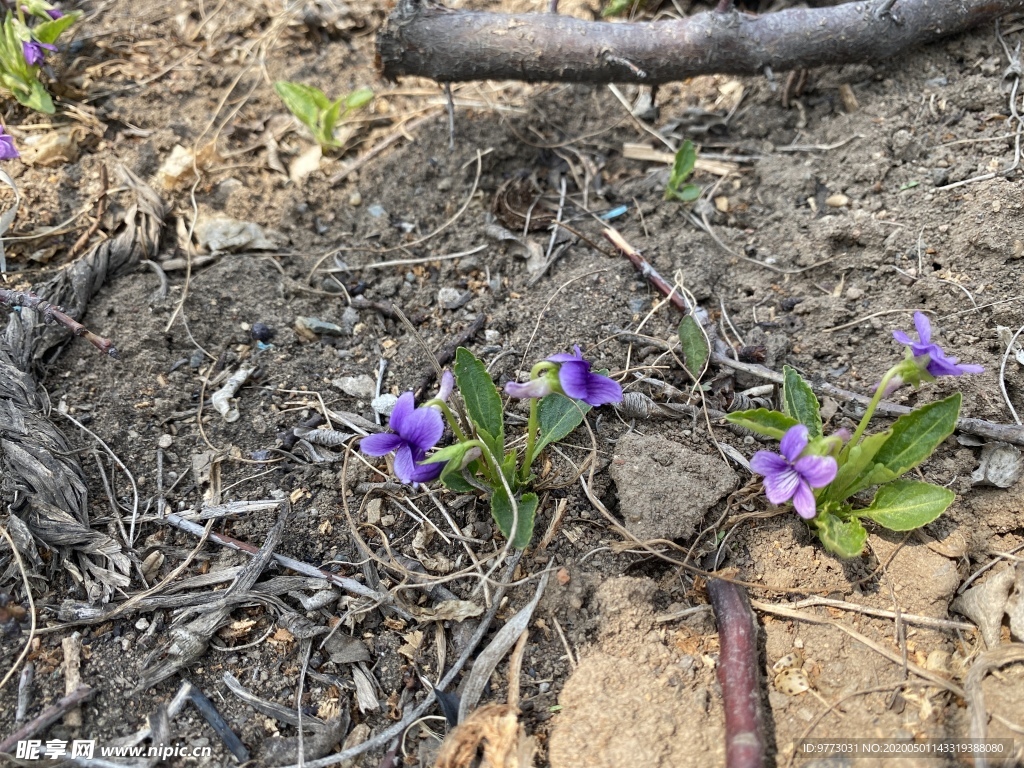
point(54, 314)
point(47, 717)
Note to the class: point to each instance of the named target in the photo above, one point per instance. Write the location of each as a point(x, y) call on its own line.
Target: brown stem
point(54, 314)
point(644, 267)
point(424, 39)
point(737, 674)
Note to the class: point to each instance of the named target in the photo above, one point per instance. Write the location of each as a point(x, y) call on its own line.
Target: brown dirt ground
point(609, 676)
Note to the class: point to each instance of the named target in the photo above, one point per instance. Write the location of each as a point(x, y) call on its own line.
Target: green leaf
point(303, 101)
point(858, 467)
point(358, 99)
point(916, 435)
point(452, 479)
point(798, 401)
point(558, 416)
point(483, 404)
point(501, 509)
point(695, 346)
point(908, 504)
point(686, 158)
point(49, 31)
point(845, 538)
point(37, 98)
point(450, 453)
point(764, 422)
point(328, 119)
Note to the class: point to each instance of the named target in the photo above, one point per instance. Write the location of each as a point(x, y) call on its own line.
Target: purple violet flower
point(7, 149)
point(573, 378)
point(792, 476)
point(938, 363)
point(54, 13)
point(414, 432)
point(34, 52)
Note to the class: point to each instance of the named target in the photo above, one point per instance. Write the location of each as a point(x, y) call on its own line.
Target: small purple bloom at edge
point(938, 363)
point(414, 432)
point(55, 13)
point(7, 149)
point(33, 52)
point(792, 476)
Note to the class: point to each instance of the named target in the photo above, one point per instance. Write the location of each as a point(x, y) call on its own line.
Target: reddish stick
point(738, 675)
point(54, 314)
point(643, 266)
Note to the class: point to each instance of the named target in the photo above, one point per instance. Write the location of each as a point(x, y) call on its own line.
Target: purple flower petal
point(534, 388)
point(425, 473)
point(970, 368)
point(803, 502)
point(601, 390)
point(54, 13)
point(423, 428)
point(447, 385)
point(902, 338)
point(767, 463)
point(817, 471)
point(7, 149)
point(380, 445)
point(781, 486)
point(403, 410)
point(794, 442)
point(405, 466)
point(924, 327)
point(573, 377)
point(565, 357)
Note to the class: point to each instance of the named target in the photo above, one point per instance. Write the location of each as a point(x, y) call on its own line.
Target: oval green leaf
point(501, 510)
point(798, 401)
point(764, 422)
point(904, 505)
point(845, 538)
point(558, 416)
point(916, 435)
point(483, 404)
point(695, 346)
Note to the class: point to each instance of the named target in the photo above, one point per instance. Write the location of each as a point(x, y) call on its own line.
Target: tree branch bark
point(423, 39)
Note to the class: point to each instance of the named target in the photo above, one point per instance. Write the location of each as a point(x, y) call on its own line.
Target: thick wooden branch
point(427, 40)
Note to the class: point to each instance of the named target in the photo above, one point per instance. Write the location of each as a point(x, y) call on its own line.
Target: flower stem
point(531, 440)
point(872, 405)
point(442, 406)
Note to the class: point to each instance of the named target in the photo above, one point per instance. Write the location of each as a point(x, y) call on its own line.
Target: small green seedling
point(677, 188)
point(317, 112)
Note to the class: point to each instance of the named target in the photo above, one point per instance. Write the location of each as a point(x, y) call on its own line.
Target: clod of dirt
point(986, 603)
point(221, 234)
point(1001, 465)
point(665, 488)
point(923, 580)
point(628, 703)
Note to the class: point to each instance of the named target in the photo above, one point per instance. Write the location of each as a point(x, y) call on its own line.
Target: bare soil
point(838, 227)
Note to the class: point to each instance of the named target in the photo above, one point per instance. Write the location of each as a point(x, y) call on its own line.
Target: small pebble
point(261, 332)
point(355, 199)
point(165, 441)
point(854, 293)
point(142, 624)
point(837, 201)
